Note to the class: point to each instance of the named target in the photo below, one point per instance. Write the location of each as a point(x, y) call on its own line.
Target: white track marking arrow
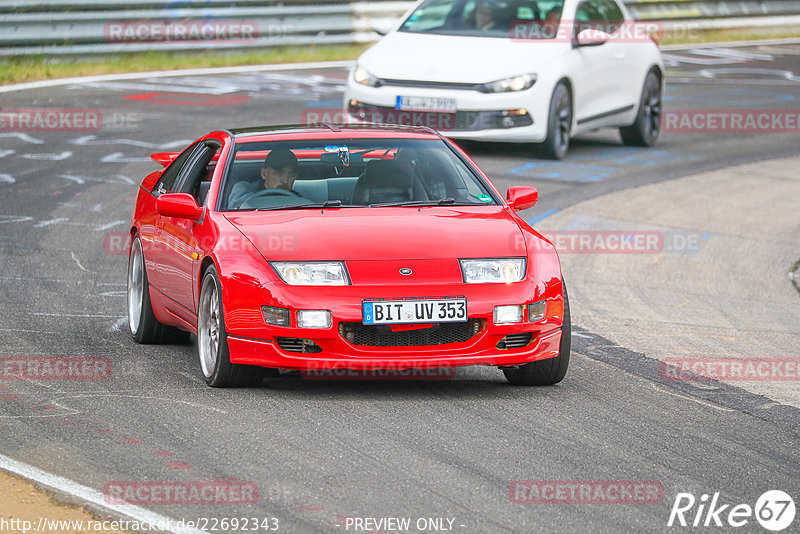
point(23, 137)
point(108, 226)
point(92, 140)
point(119, 157)
point(164, 87)
point(124, 179)
point(76, 179)
point(49, 157)
point(83, 179)
point(42, 224)
point(4, 219)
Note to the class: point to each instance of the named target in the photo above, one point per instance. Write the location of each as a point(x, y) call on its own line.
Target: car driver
point(279, 172)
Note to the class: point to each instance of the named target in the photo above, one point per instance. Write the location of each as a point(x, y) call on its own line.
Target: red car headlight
point(493, 270)
point(330, 273)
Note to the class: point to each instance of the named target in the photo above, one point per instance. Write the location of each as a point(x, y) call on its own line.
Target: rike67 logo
point(774, 510)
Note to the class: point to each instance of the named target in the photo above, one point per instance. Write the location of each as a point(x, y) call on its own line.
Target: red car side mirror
point(181, 205)
point(522, 197)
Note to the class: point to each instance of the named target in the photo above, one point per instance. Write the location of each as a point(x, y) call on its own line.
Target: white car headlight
point(493, 271)
point(329, 273)
point(509, 85)
point(360, 75)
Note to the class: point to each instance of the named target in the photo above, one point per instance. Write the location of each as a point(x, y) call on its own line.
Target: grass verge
point(730, 35)
point(20, 69)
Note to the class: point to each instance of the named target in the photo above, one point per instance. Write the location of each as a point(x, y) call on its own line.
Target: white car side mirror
point(592, 37)
point(383, 26)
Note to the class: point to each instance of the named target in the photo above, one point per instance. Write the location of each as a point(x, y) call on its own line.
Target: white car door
point(601, 72)
point(630, 51)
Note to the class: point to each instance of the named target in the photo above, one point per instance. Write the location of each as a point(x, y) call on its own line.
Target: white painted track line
point(92, 496)
point(180, 72)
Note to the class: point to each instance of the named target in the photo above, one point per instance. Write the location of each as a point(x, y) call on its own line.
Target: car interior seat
point(387, 181)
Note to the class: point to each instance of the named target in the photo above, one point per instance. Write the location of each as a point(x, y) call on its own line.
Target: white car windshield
point(482, 18)
point(373, 173)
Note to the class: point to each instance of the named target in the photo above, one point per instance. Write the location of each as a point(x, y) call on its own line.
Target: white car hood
point(446, 58)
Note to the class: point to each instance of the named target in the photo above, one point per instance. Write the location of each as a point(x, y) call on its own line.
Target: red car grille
point(382, 335)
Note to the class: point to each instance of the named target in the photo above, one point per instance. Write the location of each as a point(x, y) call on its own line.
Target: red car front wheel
point(550, 371)
point(212, 340)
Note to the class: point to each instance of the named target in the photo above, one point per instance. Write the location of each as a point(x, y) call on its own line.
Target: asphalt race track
point(321, 452)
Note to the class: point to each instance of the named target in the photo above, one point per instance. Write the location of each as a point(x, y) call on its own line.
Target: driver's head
point(551, 21)
point(484, 12)
point(279, 170)
point(554, 15)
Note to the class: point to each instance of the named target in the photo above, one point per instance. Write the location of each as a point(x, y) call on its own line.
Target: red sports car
point(342, 247)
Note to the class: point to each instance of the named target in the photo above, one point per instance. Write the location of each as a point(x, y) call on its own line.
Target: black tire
point(142, 323)
point(550, 371)
point(559, 123)
point(217, 369)
point(647, 128)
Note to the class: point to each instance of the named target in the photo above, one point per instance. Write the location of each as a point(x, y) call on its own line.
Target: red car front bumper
point(348, 344)
point(481, 349)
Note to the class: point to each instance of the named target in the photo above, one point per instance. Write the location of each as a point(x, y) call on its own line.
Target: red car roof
point(358, 131)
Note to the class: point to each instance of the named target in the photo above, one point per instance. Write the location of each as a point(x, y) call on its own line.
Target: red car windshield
point(349, 173)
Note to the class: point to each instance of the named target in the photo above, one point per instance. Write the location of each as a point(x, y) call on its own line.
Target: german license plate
point(425, 103)
point(413, 311)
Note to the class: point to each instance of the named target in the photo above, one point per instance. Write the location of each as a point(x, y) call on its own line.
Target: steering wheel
point(253, 200)
point(273, 192)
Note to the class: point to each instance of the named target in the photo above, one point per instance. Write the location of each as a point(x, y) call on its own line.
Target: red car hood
point(359, 234)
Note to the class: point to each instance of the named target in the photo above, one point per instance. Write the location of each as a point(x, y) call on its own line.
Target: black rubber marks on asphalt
point(719, 393)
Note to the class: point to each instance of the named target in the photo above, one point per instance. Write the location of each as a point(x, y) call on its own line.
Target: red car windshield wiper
point(449, 201)
point(326, 204)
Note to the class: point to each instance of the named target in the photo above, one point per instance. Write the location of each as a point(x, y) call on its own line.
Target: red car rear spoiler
point(164, 158)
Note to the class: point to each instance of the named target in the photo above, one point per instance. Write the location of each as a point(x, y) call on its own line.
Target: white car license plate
point(424, 103)
point(414, 311)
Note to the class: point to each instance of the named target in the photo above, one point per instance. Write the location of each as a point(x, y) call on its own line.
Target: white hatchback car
point(531, 71)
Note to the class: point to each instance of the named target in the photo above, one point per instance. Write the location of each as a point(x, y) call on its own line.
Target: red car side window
point(164, 185)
